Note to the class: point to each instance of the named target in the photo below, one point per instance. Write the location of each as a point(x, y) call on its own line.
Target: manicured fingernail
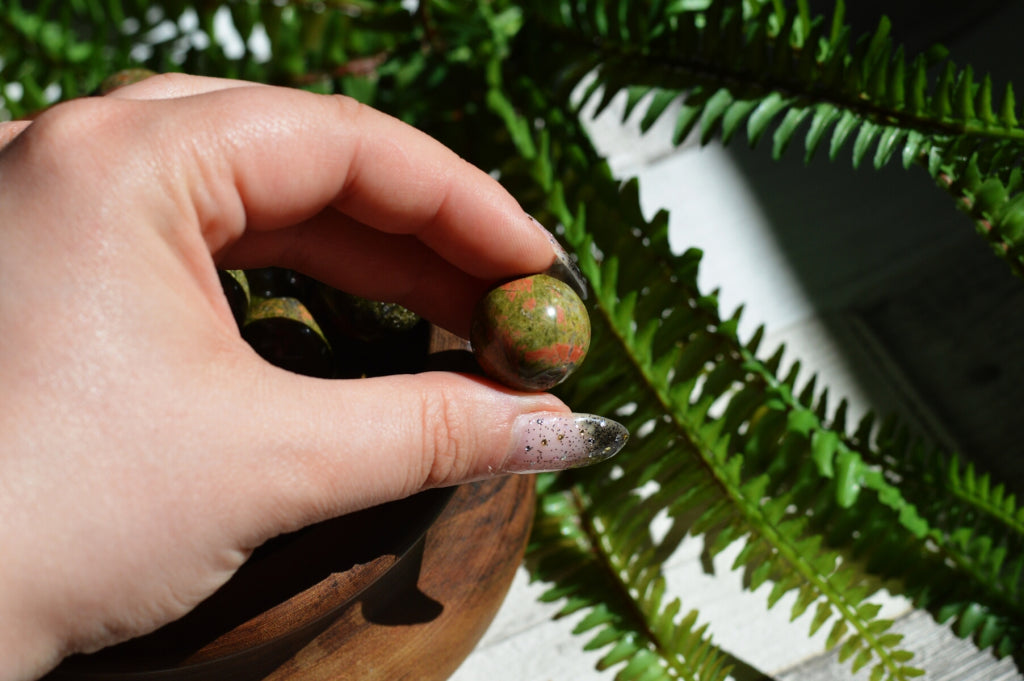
point(554, 442)
point(564, 267)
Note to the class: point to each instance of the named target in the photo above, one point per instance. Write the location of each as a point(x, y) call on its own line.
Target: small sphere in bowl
point(531, 333)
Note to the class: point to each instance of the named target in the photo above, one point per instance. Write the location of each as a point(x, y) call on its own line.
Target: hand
point(145, 449)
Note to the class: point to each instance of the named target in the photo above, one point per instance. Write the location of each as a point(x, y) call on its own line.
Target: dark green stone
point(283, 332)
point(367, 319)
point(530, 333)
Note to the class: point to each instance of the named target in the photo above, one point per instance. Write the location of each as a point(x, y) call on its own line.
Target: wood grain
point(425, 630)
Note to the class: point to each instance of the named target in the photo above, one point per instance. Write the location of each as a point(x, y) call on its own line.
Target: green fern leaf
point(824, 116)
point(734, 117)
point(942, 100)
point(983, 101)
point(897, 84)
point(1008, 111)
point(762, 116)
point(963, 96)
point(847, 123)
point(712, 112)
point(866, 136)
point(659, 103)
point(634, 95)
point(888, 144)
point(786, 130)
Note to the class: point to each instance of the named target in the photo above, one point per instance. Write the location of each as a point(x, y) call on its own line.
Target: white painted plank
point(941, 654)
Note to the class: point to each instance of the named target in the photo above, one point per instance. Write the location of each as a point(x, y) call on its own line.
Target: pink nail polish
point(553, 441)
point(564, 267)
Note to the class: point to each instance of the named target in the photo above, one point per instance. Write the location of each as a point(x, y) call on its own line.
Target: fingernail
point(123, 78)
point(564, 267)
point(554, 442)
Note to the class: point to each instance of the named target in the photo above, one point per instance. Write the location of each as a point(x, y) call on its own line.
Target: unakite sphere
point(530, 333)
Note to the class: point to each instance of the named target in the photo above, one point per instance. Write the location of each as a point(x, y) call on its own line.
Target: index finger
point(290, 154)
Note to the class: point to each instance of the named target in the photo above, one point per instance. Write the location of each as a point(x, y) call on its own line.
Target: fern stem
point(613, 573)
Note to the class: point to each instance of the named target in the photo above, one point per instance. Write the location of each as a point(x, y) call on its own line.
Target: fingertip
point(555, 441)
point(335, 446)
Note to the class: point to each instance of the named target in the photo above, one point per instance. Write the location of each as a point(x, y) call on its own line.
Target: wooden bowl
point(403, 590)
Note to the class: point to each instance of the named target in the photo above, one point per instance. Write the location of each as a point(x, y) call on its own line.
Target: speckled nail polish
point(564, 267)
point(553, 442)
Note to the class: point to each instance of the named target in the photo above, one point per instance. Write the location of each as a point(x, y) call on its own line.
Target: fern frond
point(971, 523)
point(595, 569)
point(730, 64)
point(778, 73)
point(745, 493)
point(976, 526)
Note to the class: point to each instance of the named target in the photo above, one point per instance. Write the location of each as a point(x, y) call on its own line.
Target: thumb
point(334, 446)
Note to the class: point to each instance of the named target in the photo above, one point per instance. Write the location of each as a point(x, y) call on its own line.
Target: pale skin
point(145, 449)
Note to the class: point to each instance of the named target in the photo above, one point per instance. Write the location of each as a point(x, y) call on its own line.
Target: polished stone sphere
point(531, 333)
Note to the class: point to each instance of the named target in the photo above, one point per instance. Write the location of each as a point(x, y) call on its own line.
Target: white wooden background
point(868, 278)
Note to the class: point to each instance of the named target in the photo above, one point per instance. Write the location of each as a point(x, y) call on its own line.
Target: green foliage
point(728, 446)
point(752, 472)
point(785, 75)
point(770, 442)
point(736, 66)
point(606, 565)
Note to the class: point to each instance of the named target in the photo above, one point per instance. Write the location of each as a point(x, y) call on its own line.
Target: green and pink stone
point(531, 333)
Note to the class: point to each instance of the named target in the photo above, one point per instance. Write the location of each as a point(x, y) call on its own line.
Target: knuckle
point(84, 124)
point(70, 121)
point(348, 110)
point(446, 439)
